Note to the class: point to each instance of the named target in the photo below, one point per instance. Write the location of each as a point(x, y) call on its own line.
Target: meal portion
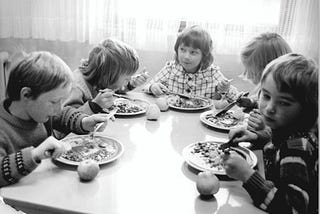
point(188, 103)
point(206, 156)
point(128, 107)
point(100, 149)
point(230, 119)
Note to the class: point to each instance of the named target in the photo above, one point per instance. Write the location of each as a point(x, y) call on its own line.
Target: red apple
point(88, 169)
point(207, 183)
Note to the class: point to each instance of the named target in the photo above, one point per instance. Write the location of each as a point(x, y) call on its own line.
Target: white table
point(150, 177)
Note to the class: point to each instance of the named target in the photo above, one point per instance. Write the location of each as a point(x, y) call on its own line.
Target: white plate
point(142, 104)
point(110, 147)
point(204, 117)
point(198, 161)
point(172, 100)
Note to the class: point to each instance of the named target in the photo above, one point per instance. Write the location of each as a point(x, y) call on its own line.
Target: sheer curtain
point(153, 25)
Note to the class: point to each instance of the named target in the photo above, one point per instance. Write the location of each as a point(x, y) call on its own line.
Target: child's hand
point(224, 86)
point(255, 121)
point(241, 134)
point(51, 147)
point(89, 123)
point(140, 78)
point(236, 167)
point(158, 89)
point(104, 98)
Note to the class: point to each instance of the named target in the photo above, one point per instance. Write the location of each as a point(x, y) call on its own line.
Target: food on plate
point(207, 183)
point(182, 102)
point(227, 120)
point(88, 169)
point(86, 148)
point(126, 106)
point(153, 112)
point(220, 104)
point(208, 154)
point(162, 103)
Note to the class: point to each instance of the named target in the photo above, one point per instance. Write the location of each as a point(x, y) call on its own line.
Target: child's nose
point(270, 108)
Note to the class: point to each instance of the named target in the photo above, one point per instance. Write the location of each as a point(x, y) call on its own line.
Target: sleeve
point(16, 165)
point(76, 100)
point(293, 193)
point(161, 77)
point(69, 120)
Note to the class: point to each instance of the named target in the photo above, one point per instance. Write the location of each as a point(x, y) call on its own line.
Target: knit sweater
point(292, 176)
point(19, 137)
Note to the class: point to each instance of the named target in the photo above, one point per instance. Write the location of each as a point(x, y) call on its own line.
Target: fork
point(103, 124)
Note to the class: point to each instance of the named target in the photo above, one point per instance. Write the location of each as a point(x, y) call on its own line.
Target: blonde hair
point(259, 52)
point(109, 60)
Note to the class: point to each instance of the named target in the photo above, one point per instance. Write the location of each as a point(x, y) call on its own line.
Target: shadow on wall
point(72, 52)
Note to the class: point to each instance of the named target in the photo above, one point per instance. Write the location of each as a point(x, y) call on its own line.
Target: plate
point(188, 104)
point(205, 156)
point(129, 107)
point(225, 122)
point(102, 149)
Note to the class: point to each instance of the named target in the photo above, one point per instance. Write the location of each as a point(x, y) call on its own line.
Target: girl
point(255, 56)
point(36, 88)
point(192, 72)
point(289, 106)
point(109, 68)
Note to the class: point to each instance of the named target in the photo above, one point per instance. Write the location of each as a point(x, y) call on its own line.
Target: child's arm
point(77, 100)
point(136, 81)
point(19, 164)
point(161, 77)
point(293, 192)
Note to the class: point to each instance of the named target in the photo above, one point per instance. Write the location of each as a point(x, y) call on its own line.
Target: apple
point(153, 112)
point(162, 103)
point(207, 183)
point(88, 169)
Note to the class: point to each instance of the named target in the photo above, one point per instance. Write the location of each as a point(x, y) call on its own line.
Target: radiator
point(4, 57)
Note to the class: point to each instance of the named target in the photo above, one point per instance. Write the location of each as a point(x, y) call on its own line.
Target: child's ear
point(25, 93)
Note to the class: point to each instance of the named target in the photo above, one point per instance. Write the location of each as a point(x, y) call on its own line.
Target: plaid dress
point(202, 83)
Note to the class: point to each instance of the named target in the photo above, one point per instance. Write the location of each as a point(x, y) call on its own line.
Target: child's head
point(289, 93)
point(111, 63)
point(40, 81)
point(200, 44)
point(259, 52)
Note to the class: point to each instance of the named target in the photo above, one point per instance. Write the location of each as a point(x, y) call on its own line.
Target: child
point(255, 56)
point(192, 72)
point(36, 88)
point(109, 68)
point(289, 106)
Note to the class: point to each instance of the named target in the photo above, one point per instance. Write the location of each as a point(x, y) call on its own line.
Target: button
point(188, 90)
point(190, 78)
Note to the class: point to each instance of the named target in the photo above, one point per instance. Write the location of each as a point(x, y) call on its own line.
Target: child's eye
point(265, 96)
point(284, 103)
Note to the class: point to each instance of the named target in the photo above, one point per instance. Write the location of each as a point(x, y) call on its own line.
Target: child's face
point(122, 81)
point(280, 110)
point(189, 58)
point(48, 104)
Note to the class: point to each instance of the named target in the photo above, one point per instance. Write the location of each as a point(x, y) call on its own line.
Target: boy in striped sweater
point(289, 106)
point(37, 87)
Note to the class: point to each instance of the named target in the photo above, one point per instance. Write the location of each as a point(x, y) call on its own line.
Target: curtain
point(154, 24)
point(299, 25)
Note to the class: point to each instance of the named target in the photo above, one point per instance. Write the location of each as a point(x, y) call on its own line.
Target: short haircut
point(40, 71)
point(197, 38)
point(109, 60)
point(296, 75)
point(259, 52)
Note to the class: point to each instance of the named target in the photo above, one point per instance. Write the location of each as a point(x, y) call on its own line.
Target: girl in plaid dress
point(289, 106)
point(192, 72)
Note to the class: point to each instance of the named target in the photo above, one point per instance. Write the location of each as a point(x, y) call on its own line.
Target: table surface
point(150, 177)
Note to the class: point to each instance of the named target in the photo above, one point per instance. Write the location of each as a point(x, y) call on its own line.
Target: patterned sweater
point(18, 137)
point(202, 83)
point(292, 176)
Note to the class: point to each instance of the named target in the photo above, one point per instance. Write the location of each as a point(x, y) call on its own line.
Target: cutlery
point(101, 126)
point(180, 95)
point(228, 144)
point(228, 107)
point(123, 97)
